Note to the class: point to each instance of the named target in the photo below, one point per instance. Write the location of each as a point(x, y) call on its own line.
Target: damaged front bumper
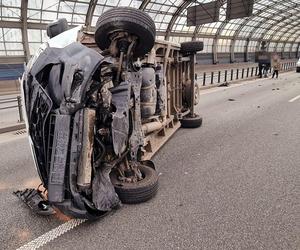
point(60, 127)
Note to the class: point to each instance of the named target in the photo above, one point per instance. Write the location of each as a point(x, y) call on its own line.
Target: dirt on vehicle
point(100, 107)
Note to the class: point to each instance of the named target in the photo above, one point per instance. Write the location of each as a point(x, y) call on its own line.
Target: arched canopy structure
point(23, 22)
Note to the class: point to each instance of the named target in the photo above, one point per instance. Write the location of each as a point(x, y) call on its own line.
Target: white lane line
point(295, 98)
point(52, 234)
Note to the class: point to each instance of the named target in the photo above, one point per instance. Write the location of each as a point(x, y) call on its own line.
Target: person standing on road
point(276, 68)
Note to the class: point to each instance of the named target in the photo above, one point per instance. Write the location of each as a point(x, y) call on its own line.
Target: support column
point(89, 14)
point(24, 5)
point(214, 50)
point(232, 45)
point(246, 51)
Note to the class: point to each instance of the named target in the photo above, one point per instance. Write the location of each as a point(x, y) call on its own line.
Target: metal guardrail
point(11, 101)
point(228, 75)
point(207, 77)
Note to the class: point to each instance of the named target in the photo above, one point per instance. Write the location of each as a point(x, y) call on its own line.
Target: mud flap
point(104, 195)
point(35, 201)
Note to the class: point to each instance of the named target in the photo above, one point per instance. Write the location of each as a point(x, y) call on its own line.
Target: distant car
point(99, 105)
point(298, 66)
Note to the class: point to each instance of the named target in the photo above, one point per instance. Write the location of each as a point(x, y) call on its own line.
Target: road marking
point(52, 234)
point(295, 98)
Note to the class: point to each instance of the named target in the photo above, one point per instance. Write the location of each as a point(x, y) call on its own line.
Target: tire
point(57, 27)
point(191, 47)
point(141, 191)
point(133, 21)
point(191, 122)
point(298, 69)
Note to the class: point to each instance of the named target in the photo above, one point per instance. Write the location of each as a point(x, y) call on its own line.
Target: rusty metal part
point(155, 140)
point(136, 139)
point(85, 163)
point(87, 39)
point(192, 77)
point(120, 66)
point(129, 171)
point(188, 93)
point(106, 96)
point(148, 92)
point(120, 123)
point(153, 126)
point(161, 91)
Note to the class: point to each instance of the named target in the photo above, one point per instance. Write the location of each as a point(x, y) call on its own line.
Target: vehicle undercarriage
point(98, 109)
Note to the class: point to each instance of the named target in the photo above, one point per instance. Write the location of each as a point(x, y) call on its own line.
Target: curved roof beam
point(291, 34)
point(221, 28)
point(294, 41)
point(243, 23)
point(144, 4)
point(273, 24)
point(239, 29)
point(24, 5)
point(280, 28)
point(90, 13)
point(297, 42)
point(288, 37)
point(184, 4)
point(267, 28)
point(261, 22)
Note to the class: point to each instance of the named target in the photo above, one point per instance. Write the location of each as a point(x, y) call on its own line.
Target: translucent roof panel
point(272, 46)
point(287, 47)
point(105, 5)
point(209, 29)
point(239, 45)
point(266, 15)
point(45, 11)
point(223, 45)
point(231, 27)
point(10, 10)
point(35, 38)
point(294, 47)
point(11, 42)
point(276, 21)
point(252, 46)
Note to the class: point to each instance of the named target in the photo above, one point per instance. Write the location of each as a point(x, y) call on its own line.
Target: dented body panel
point(90, 112)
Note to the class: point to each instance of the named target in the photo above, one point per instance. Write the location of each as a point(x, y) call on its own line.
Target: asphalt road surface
point(234, 183)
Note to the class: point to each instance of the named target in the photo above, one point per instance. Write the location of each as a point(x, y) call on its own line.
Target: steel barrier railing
point(228, 75)
point(13, 102)
point(220, 76)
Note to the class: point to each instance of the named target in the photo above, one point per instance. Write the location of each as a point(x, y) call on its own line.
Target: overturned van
point(99, 106)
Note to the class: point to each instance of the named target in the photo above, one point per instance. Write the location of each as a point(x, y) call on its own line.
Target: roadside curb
point(9, 93)
point(12, 128)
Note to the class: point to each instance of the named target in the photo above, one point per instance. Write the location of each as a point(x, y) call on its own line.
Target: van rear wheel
point(189, 121)
point(136, 192)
